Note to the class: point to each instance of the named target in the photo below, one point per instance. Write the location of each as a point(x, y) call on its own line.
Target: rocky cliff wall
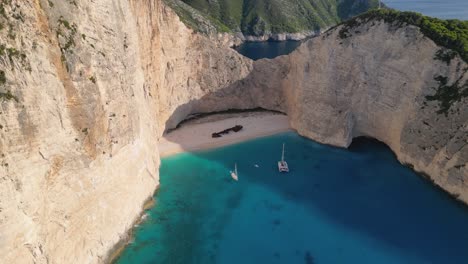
point(88, 89)
point(77, 141)
point(384, 82)
point(192, 67)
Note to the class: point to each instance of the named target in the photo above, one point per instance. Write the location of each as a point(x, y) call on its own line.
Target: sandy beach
point(196, 134)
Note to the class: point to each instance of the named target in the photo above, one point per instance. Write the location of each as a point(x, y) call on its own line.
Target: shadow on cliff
point(363, 189)
point(262, 88)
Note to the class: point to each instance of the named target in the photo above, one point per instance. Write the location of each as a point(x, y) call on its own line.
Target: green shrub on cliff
point(451, 34)
point(447, 94)
point(7, 96)
point(2, 78)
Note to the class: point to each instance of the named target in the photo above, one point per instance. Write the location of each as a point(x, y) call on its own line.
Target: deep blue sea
point(267, 49)
point(445, 9)
point(336, 206)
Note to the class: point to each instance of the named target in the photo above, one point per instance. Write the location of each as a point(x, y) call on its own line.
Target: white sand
point(196, 135)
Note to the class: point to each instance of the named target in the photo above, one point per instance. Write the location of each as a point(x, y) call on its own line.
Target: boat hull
point(234, 176)
point(283, 166)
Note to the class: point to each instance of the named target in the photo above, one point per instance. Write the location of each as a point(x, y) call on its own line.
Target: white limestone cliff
point(92, 93)
point(77, 149)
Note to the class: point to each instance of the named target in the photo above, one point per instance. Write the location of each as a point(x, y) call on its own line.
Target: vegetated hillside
point(451, 34)
point(263, 17)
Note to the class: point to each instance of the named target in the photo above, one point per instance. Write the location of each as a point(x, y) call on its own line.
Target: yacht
point(234, 173)
point(282, 164)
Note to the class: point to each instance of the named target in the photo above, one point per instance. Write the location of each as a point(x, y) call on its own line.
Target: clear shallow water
point(335, 206)
point(267, 49)
point(445, 9)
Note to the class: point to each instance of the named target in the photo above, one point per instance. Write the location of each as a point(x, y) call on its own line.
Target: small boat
point(282, 164)
point(234, 173)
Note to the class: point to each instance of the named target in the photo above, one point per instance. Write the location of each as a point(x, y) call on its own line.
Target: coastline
point(114, 253)
point(298, 36)
point(236, 39)
point(195, 135)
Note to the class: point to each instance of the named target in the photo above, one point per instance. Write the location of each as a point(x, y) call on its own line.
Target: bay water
point(356, 205)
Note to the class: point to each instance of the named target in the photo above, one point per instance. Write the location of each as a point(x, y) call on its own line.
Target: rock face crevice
point(95, 84)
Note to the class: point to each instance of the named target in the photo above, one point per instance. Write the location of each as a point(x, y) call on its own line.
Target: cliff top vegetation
point(451, 34)
point(259, 17)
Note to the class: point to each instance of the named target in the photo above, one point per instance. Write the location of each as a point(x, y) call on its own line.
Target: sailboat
point(282, 164)
point(234, 173)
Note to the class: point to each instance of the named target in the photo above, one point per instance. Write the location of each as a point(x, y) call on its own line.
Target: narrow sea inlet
point(267, 49)
point(335, 206)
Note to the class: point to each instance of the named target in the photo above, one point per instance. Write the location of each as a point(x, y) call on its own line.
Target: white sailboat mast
point(282, 155)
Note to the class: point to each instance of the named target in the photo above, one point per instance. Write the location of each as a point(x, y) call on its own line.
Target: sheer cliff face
point(94, 89)
point(180, 66)
point(77, 147)
point(193, 66)
point(379, 83)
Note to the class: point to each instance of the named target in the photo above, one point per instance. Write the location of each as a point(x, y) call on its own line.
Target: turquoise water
point(335, 206)
point(445, 9)
point(267, 49)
